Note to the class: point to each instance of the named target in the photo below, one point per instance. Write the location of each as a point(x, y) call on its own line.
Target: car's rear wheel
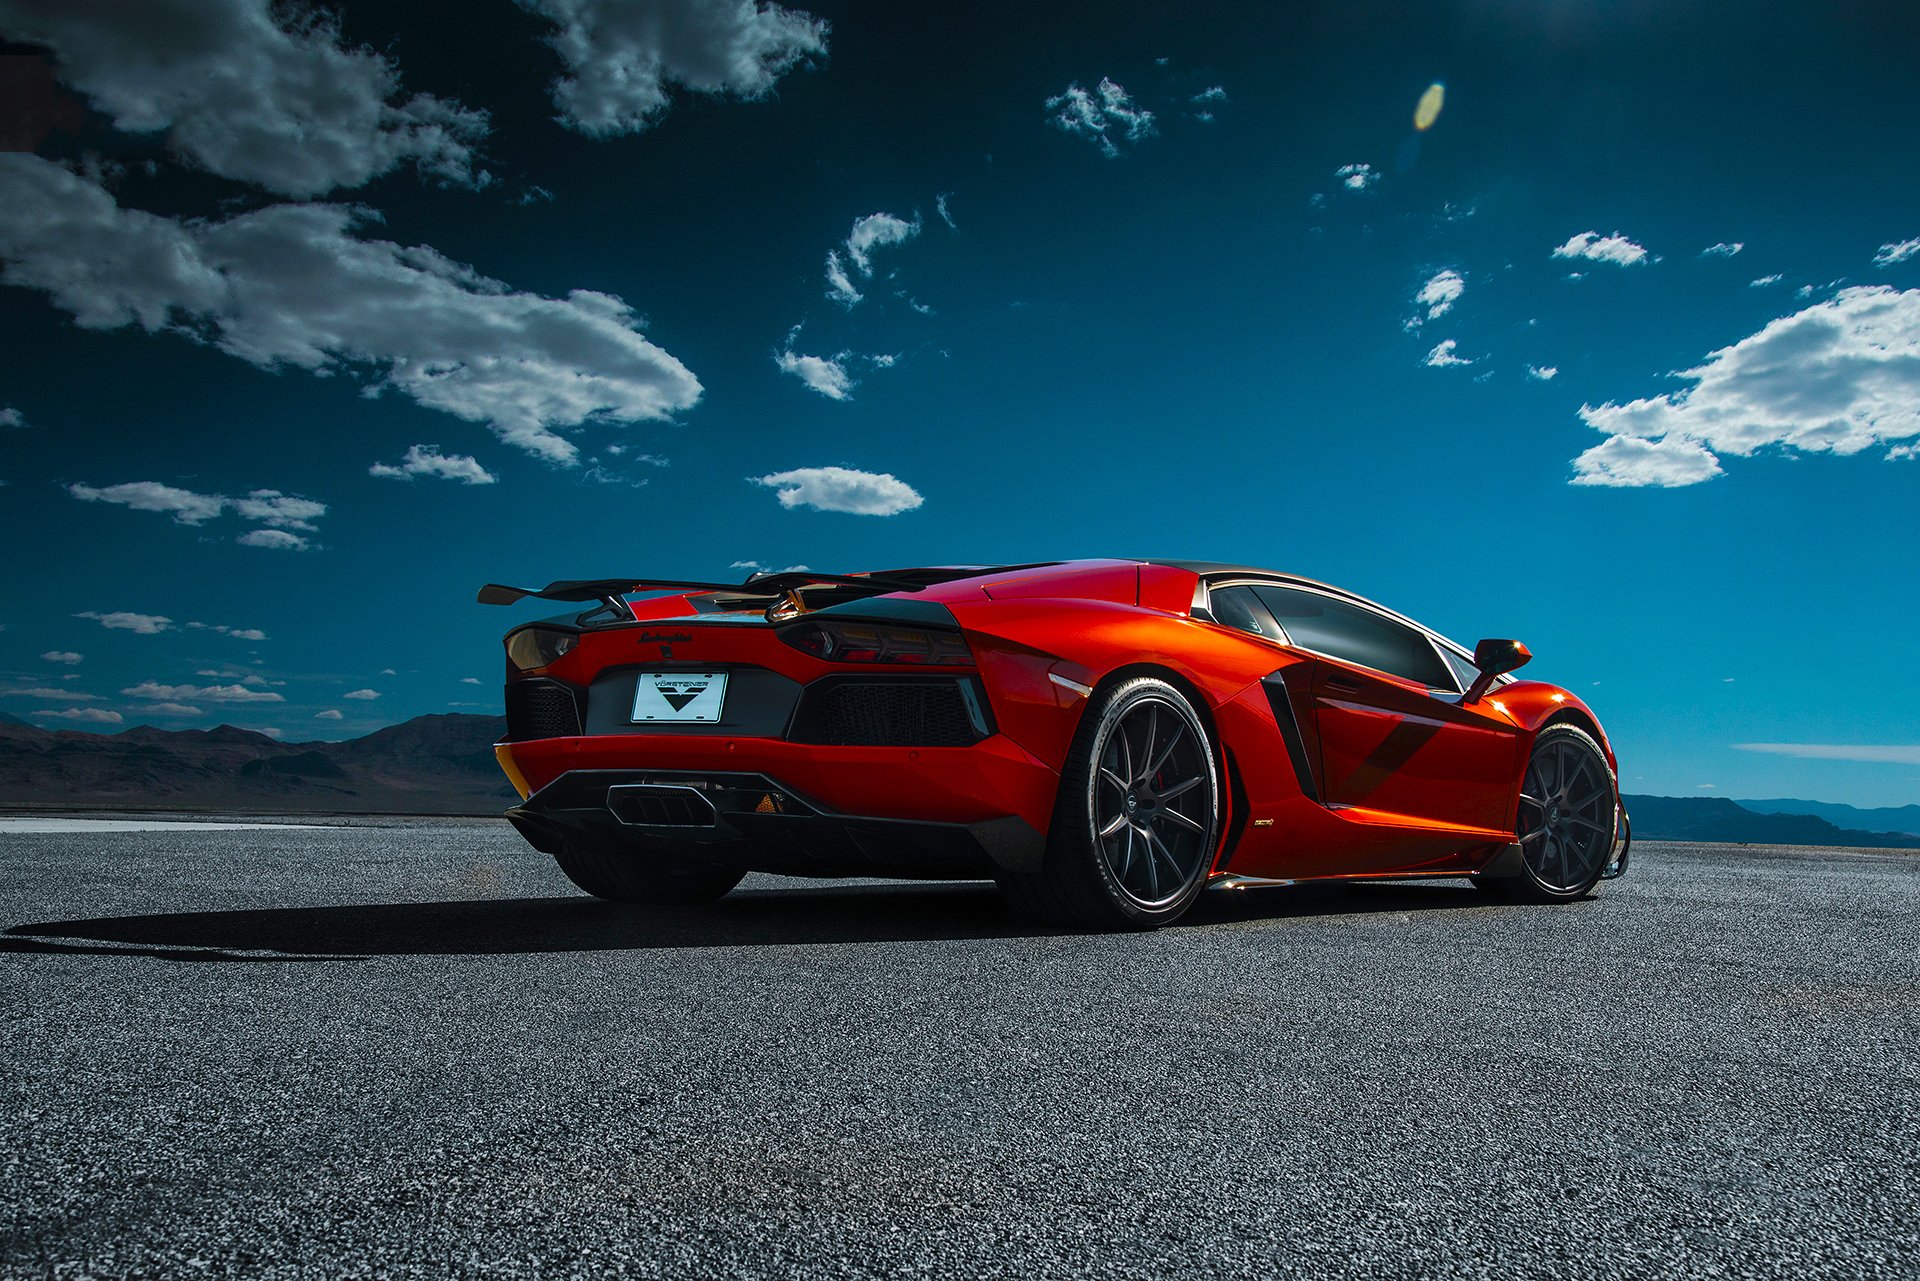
point(1138, 815)
point(1569, 802)
point(630, 876)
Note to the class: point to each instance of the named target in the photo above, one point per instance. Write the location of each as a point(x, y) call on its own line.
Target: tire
point(1569, 806)
point(638, 877)
point(1142, 770)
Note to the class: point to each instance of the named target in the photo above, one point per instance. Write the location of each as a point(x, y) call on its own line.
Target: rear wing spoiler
point(611, 590)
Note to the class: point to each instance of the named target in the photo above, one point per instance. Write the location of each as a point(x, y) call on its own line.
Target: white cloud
point(427, 460)
point(1544, 373)
point(1616, 249)
point(66, 656)
point(1443, 355)
point(1438, 296)
point(183, 505)
point(11, 417)
point(1725, 249)
point(621, 58)
point(363, 695)
point(471, 680)
point(254, 91)
point(1357, 177)
point(1897, 251)
point(211, 693)
point(277, 539)
point(238, 633)
point(1764, 281)
point(1218, 93)
point(1890, 754)
point(42, 691)
point(940, 206)
point(1101, 116)
point(331, 714)
point(292, 286)
point(1899, 452)
point(874, 231)
point(282, 511)
point(271, 731)
point(84, 715)
point(269, 507)
point(1839, 376)
point(840, 287)
point(841, 489)
point(121, 620)
point(1635, 462)
point(825, 374)
point(172, 709)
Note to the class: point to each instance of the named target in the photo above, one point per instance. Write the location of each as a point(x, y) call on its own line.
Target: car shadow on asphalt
point(504, 926)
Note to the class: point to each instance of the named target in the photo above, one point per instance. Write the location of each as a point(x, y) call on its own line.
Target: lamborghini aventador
point(1104, 738)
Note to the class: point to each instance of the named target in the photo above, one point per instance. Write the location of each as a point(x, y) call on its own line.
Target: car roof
point(1219, 569)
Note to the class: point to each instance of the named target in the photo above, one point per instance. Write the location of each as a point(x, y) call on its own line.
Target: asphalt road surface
point(411, 1051)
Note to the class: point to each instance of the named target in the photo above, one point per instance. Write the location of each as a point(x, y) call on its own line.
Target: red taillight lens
point(869, 643)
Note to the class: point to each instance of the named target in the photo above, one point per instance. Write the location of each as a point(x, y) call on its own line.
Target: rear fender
point(1042, 659)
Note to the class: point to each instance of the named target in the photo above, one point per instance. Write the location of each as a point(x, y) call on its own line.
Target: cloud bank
point(292, 286)
point(1839, 377)
point(622, 58)
point(249, 90)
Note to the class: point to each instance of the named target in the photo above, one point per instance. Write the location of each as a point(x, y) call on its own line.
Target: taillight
point(839, 642)
point(531, 648)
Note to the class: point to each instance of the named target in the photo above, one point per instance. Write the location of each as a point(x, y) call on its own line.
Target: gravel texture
point(410, 1050)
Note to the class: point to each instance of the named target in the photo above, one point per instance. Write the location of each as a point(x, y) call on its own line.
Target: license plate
point(679, 697)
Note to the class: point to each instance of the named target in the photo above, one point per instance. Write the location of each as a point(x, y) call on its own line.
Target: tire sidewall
point(1100, 725)
point(1552, 733)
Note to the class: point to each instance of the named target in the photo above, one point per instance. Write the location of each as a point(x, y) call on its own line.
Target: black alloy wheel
point(1151, 802)
point(1569, 812)
point(1137, 821)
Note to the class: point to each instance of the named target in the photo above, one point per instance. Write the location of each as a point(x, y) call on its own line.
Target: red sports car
point(1103, 738)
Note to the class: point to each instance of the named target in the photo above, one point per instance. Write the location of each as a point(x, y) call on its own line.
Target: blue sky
point(312, 328)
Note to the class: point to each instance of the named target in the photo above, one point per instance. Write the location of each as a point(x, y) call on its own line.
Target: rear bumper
point(756, 822)
point(991, 779)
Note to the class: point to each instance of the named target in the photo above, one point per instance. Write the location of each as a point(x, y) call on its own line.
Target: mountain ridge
point(437, 764)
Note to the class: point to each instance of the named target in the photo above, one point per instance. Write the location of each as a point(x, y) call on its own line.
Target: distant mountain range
point(429, 765)
point(1715, 818)
point(444, 765)
point(1897, 818)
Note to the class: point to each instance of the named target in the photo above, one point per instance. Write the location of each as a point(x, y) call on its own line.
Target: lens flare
point(1428, 109)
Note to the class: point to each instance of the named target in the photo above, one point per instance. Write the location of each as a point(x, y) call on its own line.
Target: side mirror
point(1495, 658)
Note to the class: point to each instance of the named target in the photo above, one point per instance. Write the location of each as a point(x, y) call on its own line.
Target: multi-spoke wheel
point(1569, 805)
point(1137, 821)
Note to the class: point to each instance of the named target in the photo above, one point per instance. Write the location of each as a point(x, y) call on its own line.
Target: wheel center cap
point(1553, 815)
point(1133, 802)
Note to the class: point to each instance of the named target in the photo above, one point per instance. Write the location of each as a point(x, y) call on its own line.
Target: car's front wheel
point(623, 876)
point(1138, 815)
point(1569, 804)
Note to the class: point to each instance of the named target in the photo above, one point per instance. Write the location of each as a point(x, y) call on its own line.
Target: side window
point(1462, 668)
point(1355, 635)
point(1238, 608)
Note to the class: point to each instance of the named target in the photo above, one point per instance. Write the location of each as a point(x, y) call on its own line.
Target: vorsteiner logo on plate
point(679, 696)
